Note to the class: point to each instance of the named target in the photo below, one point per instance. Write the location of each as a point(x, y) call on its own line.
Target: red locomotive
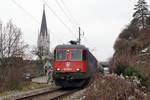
point(73, 66)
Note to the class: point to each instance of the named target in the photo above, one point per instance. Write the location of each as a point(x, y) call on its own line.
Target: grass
point(32, 86)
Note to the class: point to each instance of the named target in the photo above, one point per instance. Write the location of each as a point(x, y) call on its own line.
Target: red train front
point(73, 65)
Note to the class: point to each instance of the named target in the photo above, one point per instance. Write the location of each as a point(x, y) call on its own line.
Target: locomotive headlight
point(78, 69)
point(58, 69)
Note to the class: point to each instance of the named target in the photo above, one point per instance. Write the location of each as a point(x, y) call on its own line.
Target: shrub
point(141, 58)
point(132, 71)
point(123, 68)
point(120, 67)
point(12, 79)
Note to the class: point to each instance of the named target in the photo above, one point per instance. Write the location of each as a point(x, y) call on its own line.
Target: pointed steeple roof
point(43, 30)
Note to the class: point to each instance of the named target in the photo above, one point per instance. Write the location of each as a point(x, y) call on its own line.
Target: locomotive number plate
point(67, 68)
point(67, 64)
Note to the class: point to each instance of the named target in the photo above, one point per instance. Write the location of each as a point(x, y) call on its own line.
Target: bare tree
point(11, 43)
point(38, 51)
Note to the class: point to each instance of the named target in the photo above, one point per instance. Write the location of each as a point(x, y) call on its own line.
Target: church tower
point(43, 42)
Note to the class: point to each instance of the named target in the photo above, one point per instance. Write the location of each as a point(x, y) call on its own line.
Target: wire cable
point(62, 9)
point(17, 4)
point(66, 7)
point(69, 12)
point(59, 18)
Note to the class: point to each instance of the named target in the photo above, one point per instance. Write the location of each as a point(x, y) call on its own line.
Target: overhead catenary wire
point(62, 9)
point(59, 18)
point(70, 18)
point(17, 4)
point(31, 16)
point(67, 9)
point(70, 14)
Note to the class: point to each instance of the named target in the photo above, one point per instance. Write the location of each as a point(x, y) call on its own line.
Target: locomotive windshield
point(61, 54)
point(76, 55)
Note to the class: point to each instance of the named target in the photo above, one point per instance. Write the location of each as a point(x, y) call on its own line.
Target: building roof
point(43, 30)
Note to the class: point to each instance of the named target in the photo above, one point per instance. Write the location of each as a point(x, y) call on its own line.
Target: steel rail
point(31, 93)
point(33, 96)
point(52, 95)
point(65, 94)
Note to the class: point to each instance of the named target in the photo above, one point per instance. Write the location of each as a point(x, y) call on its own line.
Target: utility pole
point(79, 40)
point(79, 35)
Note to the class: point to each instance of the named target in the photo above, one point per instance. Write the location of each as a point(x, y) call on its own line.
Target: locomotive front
point(69, 65)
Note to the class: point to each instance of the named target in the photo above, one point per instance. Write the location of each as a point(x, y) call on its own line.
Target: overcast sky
point(101, 20)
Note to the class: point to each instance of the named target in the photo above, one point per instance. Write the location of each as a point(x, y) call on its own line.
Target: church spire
point(43, 30)
point(43, 6)
point(43, 42)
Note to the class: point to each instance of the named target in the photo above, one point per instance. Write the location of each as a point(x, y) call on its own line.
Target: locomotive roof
point(71, 47)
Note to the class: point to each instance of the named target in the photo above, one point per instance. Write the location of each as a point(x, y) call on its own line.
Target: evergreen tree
point(141, 14)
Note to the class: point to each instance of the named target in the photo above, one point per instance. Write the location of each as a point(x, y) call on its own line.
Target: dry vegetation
point(12, 78)
point(114, 88)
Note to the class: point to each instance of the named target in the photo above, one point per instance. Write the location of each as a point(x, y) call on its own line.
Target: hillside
point(132, 47)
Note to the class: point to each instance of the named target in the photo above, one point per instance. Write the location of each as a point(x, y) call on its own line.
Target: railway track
point(65, 94)
point(49, 95)
point(42, 94)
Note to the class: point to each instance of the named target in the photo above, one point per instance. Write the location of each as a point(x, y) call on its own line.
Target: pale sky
point(101, 20)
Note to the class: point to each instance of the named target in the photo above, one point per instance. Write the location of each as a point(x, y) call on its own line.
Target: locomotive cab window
point(84, 54)
point(61, 55)
point(76, 55)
